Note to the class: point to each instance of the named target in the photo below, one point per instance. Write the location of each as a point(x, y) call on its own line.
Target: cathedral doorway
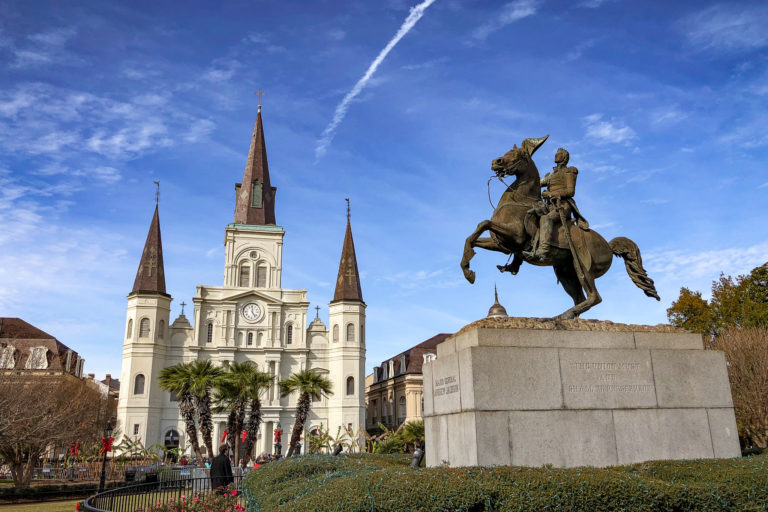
point(171, 444)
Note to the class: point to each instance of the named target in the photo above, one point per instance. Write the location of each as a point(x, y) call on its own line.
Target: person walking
point(221, 469)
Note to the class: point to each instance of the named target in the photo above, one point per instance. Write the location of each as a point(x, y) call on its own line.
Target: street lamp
point(106, 445)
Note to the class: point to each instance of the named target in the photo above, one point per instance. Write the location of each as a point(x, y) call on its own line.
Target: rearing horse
point(512, 230)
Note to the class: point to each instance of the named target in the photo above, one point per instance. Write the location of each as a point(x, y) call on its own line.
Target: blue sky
point(662, 105)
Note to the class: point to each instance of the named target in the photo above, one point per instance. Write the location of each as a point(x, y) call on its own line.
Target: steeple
point(348, 282)
point(255, 195)
point(150, 278)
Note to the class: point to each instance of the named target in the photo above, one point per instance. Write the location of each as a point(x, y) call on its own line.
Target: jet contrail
point(341, 109)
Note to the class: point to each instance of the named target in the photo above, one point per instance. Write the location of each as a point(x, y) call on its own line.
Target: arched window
point(144, 328)
point(210, 333)
point(160, 329)
point(335, 333)
point(129, 332)
point(350, 386)
point(261, 276)
point(259, 338)
point(402, 408)
point(289, 334)
point(250, 338)
point(245, 274)
point(350, 332)
point(138, 384)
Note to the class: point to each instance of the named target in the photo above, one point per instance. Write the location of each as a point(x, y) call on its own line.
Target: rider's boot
point(540, 255)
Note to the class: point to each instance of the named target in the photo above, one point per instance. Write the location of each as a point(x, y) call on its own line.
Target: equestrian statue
point(547, 229)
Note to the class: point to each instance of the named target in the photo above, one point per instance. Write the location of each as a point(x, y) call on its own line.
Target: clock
point(252, 311)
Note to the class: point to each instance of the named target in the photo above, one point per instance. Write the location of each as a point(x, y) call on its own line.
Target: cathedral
point(250, 318)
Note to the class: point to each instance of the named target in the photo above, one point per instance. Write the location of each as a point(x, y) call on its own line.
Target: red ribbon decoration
point(242, 439)
point(224, 437)
point(106, 444)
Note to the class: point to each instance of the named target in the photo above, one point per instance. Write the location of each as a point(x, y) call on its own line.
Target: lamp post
point(105, 446)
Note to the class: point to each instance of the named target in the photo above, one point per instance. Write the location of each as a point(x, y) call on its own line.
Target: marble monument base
point(529, 392)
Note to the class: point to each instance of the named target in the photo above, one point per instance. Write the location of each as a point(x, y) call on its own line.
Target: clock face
point(252, 311)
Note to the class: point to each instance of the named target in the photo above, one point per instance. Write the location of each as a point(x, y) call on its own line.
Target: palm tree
point(204, 375)
point(235, 390)
point(310, 385)
point(259, 382)
point(177, 379)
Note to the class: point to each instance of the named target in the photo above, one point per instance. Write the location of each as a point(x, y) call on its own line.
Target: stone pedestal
point(526, 392)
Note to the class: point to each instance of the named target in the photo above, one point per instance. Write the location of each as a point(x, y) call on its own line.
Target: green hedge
point(386, 483)
point(52, 491)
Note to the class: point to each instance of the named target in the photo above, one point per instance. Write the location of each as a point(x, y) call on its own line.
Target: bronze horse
point(512, 228)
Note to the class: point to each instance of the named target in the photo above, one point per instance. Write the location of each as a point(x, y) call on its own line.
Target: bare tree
point(40, 411)
point(746, 351)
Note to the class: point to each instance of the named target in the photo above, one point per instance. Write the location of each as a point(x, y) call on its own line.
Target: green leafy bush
point(374, 482)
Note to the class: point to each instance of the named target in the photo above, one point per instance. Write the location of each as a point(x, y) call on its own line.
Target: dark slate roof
point(256, 171)
point(348, 280)
point(414, 356)
point(150, 277)
point(22, 336)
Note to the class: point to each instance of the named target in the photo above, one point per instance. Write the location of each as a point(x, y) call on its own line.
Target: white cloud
point(764, 185)
point(55, 37)
point(199, 130)
point(728, 27)
point(425, 65)
point(44, 48)
point(336, 35)
point(607, 131)
point(222, 70)
point(510, 13)
point(731, 261)
point(341, 109)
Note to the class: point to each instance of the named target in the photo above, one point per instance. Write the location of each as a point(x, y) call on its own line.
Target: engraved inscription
point(446, 386)
point(606, 375)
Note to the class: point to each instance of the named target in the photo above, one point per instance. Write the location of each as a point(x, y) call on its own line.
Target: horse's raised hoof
point(470, 275)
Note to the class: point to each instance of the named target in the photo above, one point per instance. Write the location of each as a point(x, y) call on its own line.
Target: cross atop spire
point(317, 315)
point(347, 200)
point(157, 193)
point(182, 307)
point(150, 277)
point(255, 203)
point(259, 94)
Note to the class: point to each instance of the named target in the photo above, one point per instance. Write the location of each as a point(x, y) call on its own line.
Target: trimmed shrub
point(386, 483)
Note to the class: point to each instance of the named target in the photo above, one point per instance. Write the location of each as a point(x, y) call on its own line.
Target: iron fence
point(139, 497)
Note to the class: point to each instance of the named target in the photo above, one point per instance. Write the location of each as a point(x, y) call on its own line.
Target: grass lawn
point(51, 506)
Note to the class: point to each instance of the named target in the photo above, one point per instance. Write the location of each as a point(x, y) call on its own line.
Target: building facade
point(251, 317)
point(27, 350)
point(394, 391)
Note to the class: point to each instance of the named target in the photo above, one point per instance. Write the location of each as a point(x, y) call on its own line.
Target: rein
point(536, 199)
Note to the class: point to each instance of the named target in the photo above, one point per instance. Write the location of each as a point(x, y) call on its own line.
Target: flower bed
point(386, 483)
point(227, 501)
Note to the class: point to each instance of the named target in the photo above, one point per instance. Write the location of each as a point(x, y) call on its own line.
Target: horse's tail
point(629, 250)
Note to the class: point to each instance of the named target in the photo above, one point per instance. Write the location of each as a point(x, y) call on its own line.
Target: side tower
point(144, 346)
point(346, 353)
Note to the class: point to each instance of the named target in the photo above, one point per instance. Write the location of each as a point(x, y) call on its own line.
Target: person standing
point(221, 469)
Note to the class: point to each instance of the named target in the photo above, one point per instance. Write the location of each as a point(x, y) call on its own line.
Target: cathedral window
point(135, 429)
point(209, 337)
point(129, 333)
point(250, 339)
point(259, 339)
point(362, 334)
point(289, 334)
point(160, 329)
point(336, 333)
point(138, 384)
point(174, 396)
point(402, 409)
point(261, 276)
point(245, 275)
point(350, 332)
point(350, 386)
point(256, 195)
point(144, 328)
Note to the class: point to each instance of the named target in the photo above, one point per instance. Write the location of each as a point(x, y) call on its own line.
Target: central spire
point(255, 195)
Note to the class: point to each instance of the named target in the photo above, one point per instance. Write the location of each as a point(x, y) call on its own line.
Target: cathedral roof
point(348, 281)
point(150, 277)
point(255, 195)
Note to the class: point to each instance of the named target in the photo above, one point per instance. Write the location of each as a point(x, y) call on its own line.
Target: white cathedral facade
point(250, 318)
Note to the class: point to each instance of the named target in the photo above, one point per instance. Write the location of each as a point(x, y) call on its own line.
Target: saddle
point(578, 237)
